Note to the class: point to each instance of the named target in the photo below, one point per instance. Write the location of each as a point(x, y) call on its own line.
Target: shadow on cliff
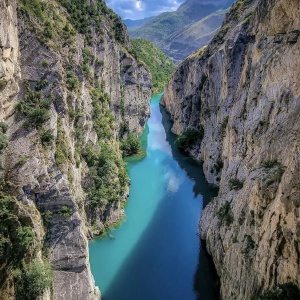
point(175, 218)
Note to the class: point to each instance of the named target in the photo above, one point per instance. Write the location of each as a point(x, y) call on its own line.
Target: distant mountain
point(135, 23)
point(160, 66)
point(188, 40)
point(181, 32)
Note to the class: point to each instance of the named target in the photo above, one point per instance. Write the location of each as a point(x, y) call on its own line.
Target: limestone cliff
point(243, 91)
point(69, 90)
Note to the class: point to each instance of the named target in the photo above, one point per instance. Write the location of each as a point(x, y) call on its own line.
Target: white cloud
point(138, 5)
point(139, 9)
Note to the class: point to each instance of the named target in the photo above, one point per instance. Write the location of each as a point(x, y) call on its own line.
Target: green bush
point(189, 138)
point(72, 80)
point(3, 142)
point(3, 127)
point(108, 173)
point(131, 146)
point(16, 237)
point(235, 184)
point(32, 279)
point(35, 108)
point(66, 212)
point(46, 137)
point(275, 171)
point(225, 214)
point(287, 291)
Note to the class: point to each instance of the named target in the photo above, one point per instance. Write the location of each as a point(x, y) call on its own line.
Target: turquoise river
point(156, 253)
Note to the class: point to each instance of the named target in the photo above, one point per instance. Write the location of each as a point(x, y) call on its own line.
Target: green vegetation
point(62, 152)
point(3, 142)
point(274, 170)
point(131, 146)
point(108, 173)
point(3, 127)
point(287, 291)
point(35, 107)
point(32, 279)
point(159, 65)
point(225, 214)
point(16, 237)
point(66, 212)
point(46, 137)
point(84, 15)
point(235, 184)
point(238, 8)
point(249, 244)
point(189, 138)
point(72, 80)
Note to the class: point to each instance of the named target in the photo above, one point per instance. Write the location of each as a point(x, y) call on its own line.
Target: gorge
point(154, 253)
point(74, 93)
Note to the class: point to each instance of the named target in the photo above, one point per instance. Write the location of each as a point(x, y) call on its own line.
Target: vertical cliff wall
point(243, 91)
point(70, 89)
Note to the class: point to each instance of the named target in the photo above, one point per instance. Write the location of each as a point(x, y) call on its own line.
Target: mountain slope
point(186, 41)
point(160, 29)
point(135, 23)
point(159, 65)
point(242, 93)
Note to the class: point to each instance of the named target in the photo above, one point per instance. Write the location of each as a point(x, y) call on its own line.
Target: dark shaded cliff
point(241, 92)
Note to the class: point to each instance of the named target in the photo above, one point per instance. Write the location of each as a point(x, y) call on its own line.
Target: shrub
point(189, 138)
point(108, 173)
point(44, 63)
point(287, 291)
point(46, 137)
point(32, 280)
point(225, 214)
point(235, 184)
point(3, 142)
point(3, 127)
point(275, 171)
point(35, 108)
point(131, 146)
point(16, 237)
point(71, 80)
point(66, 212)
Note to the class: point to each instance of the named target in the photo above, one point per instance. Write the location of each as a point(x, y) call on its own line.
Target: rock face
point(243, 90)
point(66, 95)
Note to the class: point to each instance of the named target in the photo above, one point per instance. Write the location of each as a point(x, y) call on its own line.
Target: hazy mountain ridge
point(170, 30)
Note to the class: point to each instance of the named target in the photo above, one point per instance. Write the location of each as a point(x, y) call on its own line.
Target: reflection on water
point(156, 253)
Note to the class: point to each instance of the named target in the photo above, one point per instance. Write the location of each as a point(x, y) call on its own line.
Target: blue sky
point(139, 9)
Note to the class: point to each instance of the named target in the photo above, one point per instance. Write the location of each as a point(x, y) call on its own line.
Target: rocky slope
point(242, 92)
point(173, 32)
point(69, 90)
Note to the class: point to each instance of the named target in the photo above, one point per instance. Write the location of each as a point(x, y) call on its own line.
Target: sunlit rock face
point(53, 180)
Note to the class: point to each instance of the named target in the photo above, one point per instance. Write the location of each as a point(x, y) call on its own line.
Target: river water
point(156, 253)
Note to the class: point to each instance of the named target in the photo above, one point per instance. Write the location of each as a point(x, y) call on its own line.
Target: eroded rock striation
point(243, 91)
point(69, 90)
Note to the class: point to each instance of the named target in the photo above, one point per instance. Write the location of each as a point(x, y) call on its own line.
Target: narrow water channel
point(156, 253)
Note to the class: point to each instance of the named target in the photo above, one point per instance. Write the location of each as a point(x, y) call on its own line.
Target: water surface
point(156, 253)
